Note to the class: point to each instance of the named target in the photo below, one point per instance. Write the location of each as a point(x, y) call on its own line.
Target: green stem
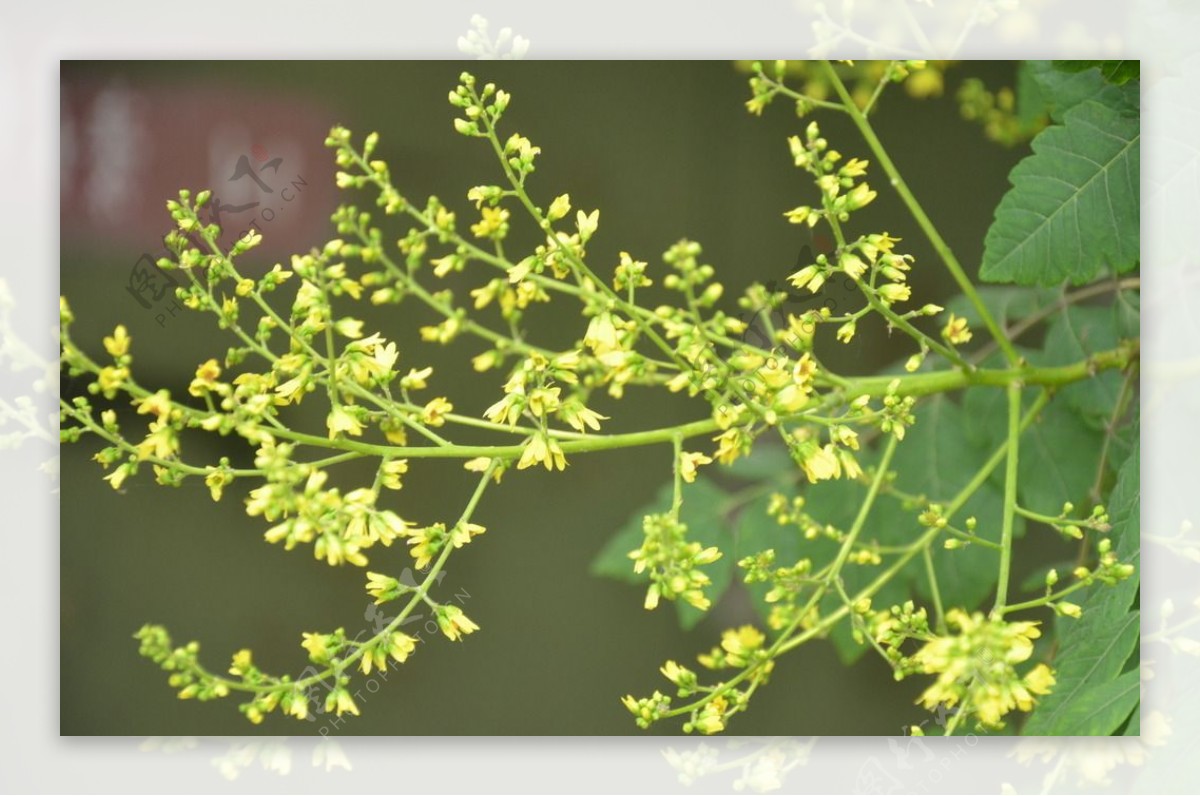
point(785, 644)
point(914, 207)
point(418, 596)
point(1046, 600)
point(1010, 495)
point(935, 592)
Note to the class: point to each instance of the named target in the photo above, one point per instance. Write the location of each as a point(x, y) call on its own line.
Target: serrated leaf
point(1031, 102)
point(1074, 335)
point(1063, 90)
point(1100, 710)
point(1095, 648)
point(701, 512)
point(1059, 456)
point(1115, 72)
point(1074, 205)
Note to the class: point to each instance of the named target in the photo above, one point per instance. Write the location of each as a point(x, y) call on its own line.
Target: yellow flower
point(740, 643)
point(344, 702)
point(852, 265)
point(579, 417)
point(382, 587)
point(242, 663)
point(956, 330)
point(340, 420)
point(158, 404)
point(415, 380)
point(819, 463)
point(730, 445)
point(975, 667)
point(118, 344)
point(295, 703)
point(317, 645)
point(559, 207)
point(893, 292)
point(434, 413)
point(454, 623)
point(335, 550)
point(216, 481)
point(492, 224)
point(392, 470)
point(601, 336)
point(860, 196)
point(400, 646)
point(543, 449)
point(688, 464)
point(711, 718)
point(161, 442)
point(206, 378)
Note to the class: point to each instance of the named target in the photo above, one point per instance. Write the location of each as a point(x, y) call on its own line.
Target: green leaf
point(1007, 303)
point(702, 513)
point(1062, 90)
point(1134, 727)
point(1095, 648)
point(1074, 205)
point(1075, 335)
point(1035, 581)
point(1100, 710)
point(1128, 311)
point(1115, 72)
point(1059, 454)
point(765, 462)
point(1031, 102)
point(1058, 460)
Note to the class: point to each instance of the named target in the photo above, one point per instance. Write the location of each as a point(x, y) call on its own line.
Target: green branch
point(939, 244)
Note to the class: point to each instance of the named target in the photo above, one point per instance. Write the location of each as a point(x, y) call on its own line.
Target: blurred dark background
point(667, 150)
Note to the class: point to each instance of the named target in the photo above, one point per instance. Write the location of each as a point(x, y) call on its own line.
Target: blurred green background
point(666, 150)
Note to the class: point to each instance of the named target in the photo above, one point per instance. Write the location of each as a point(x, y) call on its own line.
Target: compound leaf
point(1095, 648)
point(1074, 206)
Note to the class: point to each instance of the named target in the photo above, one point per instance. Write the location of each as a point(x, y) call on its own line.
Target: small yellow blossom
point(206, 378)
point(118, 344)
point(544, 450)
point(415, 380)
point(340, 420)
point(688, 464)
point(242, 663)
point(400, 646)
point(976, 667)
point(893, 293)
point(392, 470)
point(492, 224)
point(317, 645)
point(344, 702)
point(956, 330)
point(454, 623)
point(434, 413)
